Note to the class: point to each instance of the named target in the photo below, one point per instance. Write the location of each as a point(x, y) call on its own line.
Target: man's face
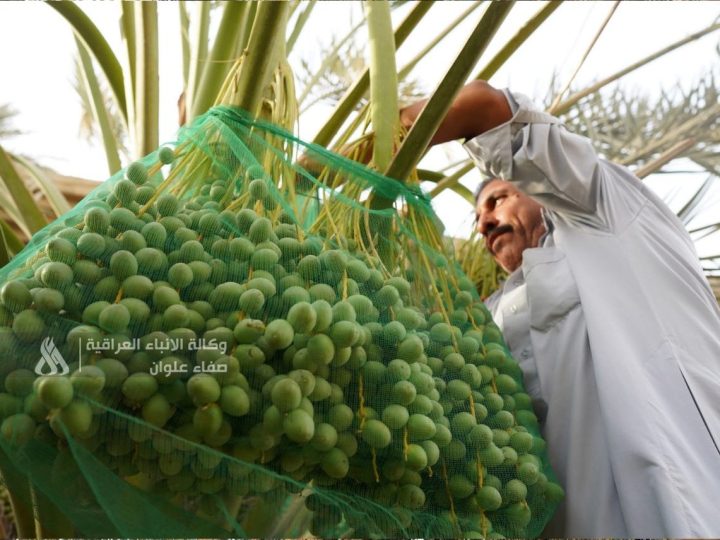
point(510, 221)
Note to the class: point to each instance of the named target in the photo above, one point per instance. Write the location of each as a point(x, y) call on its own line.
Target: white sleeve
point(543, 159)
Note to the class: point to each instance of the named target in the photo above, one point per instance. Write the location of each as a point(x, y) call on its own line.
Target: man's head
point(509, 220)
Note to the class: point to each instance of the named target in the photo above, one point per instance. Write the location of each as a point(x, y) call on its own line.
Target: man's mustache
point(497, 231)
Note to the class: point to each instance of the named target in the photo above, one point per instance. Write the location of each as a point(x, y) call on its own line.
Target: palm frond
point(648, 134)
point(695, 205)
point(7, 114)
point(343, 64)
point(88, 128)
point(711, 266)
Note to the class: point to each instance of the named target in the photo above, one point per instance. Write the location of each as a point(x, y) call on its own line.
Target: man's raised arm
point(477, 108)
point(509, 138)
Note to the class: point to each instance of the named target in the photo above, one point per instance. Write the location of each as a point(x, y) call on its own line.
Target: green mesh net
point(218, 343)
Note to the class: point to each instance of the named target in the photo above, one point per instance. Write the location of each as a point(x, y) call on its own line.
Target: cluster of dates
point(255, 358)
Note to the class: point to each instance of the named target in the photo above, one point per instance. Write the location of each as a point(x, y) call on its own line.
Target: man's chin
point(508, 268)
point(506, 261)
point(498, 242)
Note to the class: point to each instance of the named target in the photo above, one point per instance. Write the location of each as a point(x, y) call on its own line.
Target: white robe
point(618, 335)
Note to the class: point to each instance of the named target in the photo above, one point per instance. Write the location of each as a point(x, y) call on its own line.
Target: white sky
point(37, 70)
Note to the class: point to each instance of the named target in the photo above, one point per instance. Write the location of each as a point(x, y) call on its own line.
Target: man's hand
point(477, 108)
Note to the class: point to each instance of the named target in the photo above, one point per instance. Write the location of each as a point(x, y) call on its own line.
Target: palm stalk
point(689, 211)
point(243, 36)
point(445, 32)
point(99, 112)
point(199, 28)
point(518, 39)
point(220, 59)
point(57, 201)
point(13, 244)
point(617, 132)
point(452, 180)
point(706, 230)
point(20, 194)
point(127, 31)
point(248, 23)
point(437, 106)
point(383, 81)
point(10, 244)
point(463, 192)
point(299, 24)
point(678, 149)
point(565, 106)
point(268, 28)
point(686, 129)
point(147, 92)
point(11, 213)
point(355, 93)
point(94, 40)
point(184, 40)
point(590, 47)
point(426, 175)
point(5, 254)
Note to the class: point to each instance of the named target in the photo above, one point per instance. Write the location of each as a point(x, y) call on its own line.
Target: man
point(610, 317)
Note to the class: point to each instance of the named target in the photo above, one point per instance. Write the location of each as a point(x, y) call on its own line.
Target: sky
point(37, 70)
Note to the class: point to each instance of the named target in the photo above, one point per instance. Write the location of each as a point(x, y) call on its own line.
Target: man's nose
point(486, 223)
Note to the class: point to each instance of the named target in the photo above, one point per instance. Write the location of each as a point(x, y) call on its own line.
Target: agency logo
point(51, 360)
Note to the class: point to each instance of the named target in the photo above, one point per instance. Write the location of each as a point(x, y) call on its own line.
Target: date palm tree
point(236, 53)
point(121, 89)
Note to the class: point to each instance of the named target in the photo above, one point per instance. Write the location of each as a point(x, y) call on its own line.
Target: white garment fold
point(625, 338)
